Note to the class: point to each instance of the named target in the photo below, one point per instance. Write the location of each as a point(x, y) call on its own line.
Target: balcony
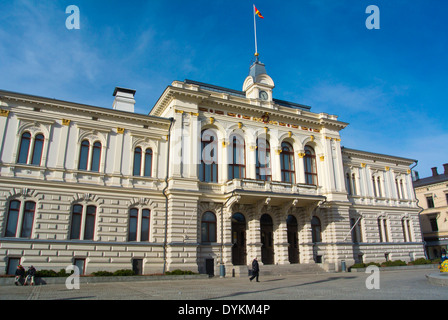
point(254, 189)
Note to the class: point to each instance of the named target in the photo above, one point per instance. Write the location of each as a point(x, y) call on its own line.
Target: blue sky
point(389, 84)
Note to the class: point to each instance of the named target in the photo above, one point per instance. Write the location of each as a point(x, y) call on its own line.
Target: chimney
point(434, 171)
point(445, 166)
point(124, 99)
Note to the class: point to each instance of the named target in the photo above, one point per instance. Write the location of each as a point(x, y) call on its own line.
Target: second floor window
point(237, 163)
point(208, 169)
point(287, 163)
point(263, 161)
point(31, 149)
point(142, 162)
point(90, 156)
point(310, 166)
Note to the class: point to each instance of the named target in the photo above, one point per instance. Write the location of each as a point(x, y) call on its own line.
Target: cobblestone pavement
point(403, 285)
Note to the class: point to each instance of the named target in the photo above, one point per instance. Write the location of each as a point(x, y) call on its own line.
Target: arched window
point(75, 231)
point(407, 230)
point(139, 223)
point(146, 166)
point(263, 167)
point(316, 230)
point(310, 166)
point(28, 219)
point(208, 171)
point(96, 157)
point(84, 155)
point(89, 229)
point(348, 184)
point(208, 227)
point(13, 218)
point(25, 143)
point(147, 172)
point(146, 217)
point(133, 222)
point(17, 213)
point(78, 231)
point(355, 192)
point(382, 228)
point(380, 192)
point(287, 163)
point(137, 161)
point(237, 164)
point(38, 150)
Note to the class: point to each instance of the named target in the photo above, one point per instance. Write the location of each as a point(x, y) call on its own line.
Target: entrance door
point(293, 241)
point(238, 239)
point(210, 267)
point(267, 247)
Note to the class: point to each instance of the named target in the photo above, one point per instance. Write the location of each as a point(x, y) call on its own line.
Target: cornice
point(377, 156)
point(240, 105)
point(81, 108)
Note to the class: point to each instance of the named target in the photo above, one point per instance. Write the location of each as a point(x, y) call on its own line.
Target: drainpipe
point(166, 196)
point(419, 214)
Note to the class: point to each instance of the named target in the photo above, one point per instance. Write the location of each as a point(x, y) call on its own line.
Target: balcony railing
point(259, 186)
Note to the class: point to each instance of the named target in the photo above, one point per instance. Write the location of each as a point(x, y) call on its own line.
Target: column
point(281, 238)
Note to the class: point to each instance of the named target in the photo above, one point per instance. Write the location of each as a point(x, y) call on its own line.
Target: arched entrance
point(293, 241)
point(238, 239)
point(267, 248)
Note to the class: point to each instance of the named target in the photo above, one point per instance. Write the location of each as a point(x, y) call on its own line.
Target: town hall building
point(210, 179)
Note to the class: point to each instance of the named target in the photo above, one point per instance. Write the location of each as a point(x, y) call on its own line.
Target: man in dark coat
point(255, 270)
point(30, 274)
point(20, 274)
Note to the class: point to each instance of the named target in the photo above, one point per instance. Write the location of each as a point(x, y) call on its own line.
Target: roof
point(379, 156)
point(88, 108)
point(242, 94)
point(430, 180)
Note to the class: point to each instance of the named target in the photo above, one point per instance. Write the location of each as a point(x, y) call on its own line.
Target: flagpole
point(255, 29)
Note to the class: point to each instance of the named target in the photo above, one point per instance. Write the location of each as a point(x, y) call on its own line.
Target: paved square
point(394, 285)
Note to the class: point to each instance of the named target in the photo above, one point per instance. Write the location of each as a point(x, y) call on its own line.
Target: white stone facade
point(116, 190)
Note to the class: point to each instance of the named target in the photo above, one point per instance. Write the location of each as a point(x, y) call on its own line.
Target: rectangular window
point(145, 225)
point(75, 231)
point(13, 263)
point(434, 225)
point(430, 201)
point(81, 264)
point(38, 149)
point(28, 219)
point(89, 230)
point(13, 218)
point(133, 220)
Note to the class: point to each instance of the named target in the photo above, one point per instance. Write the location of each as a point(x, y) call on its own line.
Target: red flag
point(258, 12)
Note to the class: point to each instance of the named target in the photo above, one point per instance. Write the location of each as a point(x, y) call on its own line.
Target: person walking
point(255, 270)
point(30, 274)
point(20, 274)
